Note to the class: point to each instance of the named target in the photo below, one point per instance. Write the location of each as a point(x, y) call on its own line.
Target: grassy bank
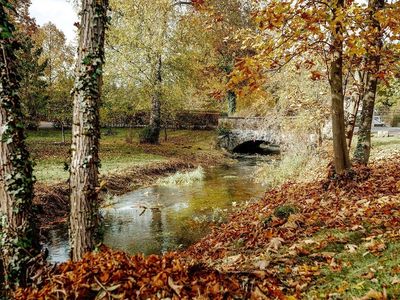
point(117, 155)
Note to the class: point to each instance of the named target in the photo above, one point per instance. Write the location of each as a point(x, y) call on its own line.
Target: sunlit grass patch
point(117, 156)
point(353, 237)
point(385, 147)
point(386, 141)
point(183, 178)
point(372, 265)
point(123, 162)
point(50, 171)
point(56, 170)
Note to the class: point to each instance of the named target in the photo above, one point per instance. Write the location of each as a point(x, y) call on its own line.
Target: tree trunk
point(231, 103)
point(155, 119)
point(352, 118)
point(18, 235)
point(154, 129)
point(62, 133)
point(341, 154)
point(363, 149)
point(86, 128)
point(351, 123)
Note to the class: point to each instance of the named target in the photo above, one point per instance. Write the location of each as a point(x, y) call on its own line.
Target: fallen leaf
point(373, 295)
point(176, 288)
point(257, 294)
point(275, 244)
point(351, 248)
point(395, 280)
point(262, 264)
point(368, 275)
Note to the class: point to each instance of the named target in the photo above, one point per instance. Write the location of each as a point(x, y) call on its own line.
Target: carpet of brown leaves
point(258, 254)
point(116, 275)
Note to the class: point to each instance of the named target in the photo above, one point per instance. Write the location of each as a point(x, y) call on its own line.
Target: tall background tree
point(57, 55)
point(33, 90)
point(18, 236)
point(220, 21)
point(84, 219)
point(373, 66)
point(153, 64)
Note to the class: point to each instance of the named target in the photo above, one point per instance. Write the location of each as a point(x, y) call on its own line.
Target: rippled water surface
point(162, 218)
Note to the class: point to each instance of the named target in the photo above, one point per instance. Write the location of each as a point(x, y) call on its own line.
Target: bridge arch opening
point(256, 147)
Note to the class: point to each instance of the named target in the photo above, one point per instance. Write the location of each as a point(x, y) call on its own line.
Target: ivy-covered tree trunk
point(152, 133)
point(85, 160)
point(18, 236)
point(363, 148)
point(231, 103)
point(341, 154)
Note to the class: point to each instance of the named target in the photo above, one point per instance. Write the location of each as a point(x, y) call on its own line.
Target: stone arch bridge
point(247, 135)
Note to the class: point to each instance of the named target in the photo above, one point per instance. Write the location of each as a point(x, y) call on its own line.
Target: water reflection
point(162, 218)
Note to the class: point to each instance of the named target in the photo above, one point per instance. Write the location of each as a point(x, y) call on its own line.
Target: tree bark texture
point(62, 133)
point(153, 135)
point(351, 122)
point(341, 154)
point(231, 103)
point(85, 160)
point(18, 235)
point(352, 117)
point(363, 148)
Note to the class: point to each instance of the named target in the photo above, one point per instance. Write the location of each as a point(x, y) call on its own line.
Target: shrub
point(284, 211)
point(223, 131)
point(149, 135)
point(299, 163)
point(184, 178)
point(396, 120)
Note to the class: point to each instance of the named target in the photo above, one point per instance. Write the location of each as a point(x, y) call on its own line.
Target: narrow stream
point(157, 219)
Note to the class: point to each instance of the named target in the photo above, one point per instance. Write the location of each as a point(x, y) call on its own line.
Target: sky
point(59, 12)
point(63, 14)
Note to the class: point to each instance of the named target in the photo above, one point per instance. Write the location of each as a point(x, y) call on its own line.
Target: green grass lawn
point(391, 142)
point(51, 156)
point(362, 270)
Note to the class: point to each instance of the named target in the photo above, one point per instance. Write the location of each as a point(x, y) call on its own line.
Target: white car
point(377, 122)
